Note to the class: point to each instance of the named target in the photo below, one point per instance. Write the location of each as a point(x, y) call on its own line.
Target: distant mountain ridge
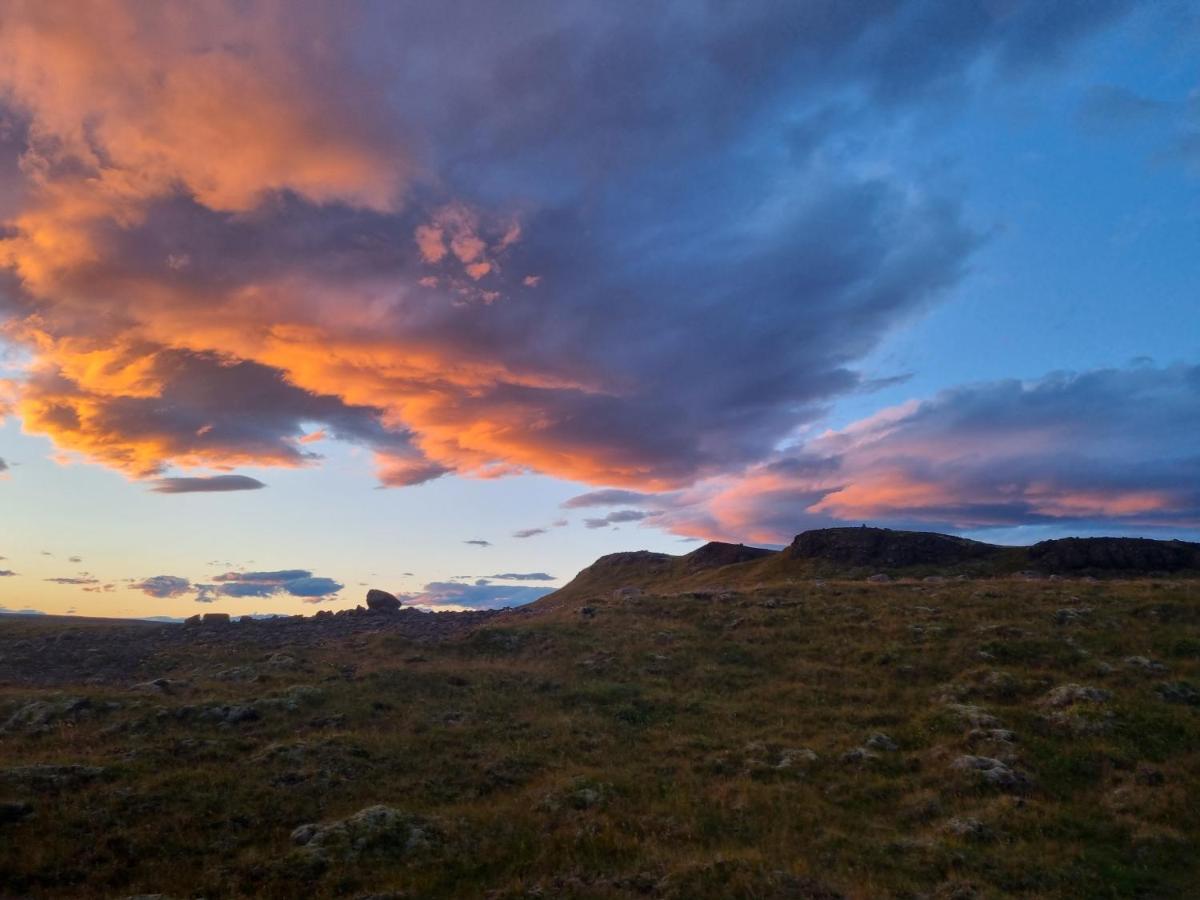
point(863, 551)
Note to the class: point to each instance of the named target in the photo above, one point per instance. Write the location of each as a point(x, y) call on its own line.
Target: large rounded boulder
point(381, 601)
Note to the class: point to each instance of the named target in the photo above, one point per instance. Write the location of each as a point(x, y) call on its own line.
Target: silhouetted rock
point(216, 619)
point(381, 601)
point(715, 554)
point(885, 547)
point(1140, 555)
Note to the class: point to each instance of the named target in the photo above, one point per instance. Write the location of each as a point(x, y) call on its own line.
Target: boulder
point(1070, 694)
point(382, 601)
point(992, 771)
point(377, 832)
point(216, 619)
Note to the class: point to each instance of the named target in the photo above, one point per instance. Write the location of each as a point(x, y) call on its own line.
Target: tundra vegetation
point(924, 737)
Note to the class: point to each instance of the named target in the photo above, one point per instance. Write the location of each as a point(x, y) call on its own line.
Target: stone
point(992, 772)
point(796, 757)
point(379, 832)
point(215, 618)
point(193, 620)
point(973, 715)
point(1145, 664)
point(1070, 615)
point(857, 756)
point(381, 601)
point(879, 578)
point(1070, 694)
point(881, 742)
point(991, 736)
point(968, 828)
point(1179, 692)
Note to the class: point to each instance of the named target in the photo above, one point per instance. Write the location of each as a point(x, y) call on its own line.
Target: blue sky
point(920, 265)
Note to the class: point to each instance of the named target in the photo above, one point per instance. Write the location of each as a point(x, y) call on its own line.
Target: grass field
point(983, 738)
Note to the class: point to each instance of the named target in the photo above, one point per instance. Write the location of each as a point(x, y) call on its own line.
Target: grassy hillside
point(957, 740)
point(857, 553)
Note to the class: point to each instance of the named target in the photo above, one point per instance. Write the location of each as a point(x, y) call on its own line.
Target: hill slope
point(859, 552)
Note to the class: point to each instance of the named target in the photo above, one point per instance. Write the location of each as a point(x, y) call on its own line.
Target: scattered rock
point(378, 832)
point(968, 828)
point(1071, 615)
point(992, 771)
point(973, 715)
point(796, 757)
point(881, 742)
point(1179, 692)
point(42, 715)
point(991, 736)
point(1145, 664)
point(588, 612)
point(857, 756)
point(1070, 694)
point(879, 578)
point(381, 601)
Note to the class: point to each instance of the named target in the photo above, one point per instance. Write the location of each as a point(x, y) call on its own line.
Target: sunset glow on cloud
point(661, 257)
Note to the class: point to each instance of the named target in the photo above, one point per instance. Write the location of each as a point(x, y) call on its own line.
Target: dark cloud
point(205, 484)
point(523, 576)
point(163, 586)
point(293, 582)
point(75, 559)
point(246, 293)
point(621, 515)
point(77, 580)
point(7, 573)
point(607, 497)
point(528, 532)
point(479, 543)
point(3, 465)
point(474, 596)
point(313, 587)
point(1111, 448)
point(277, 577)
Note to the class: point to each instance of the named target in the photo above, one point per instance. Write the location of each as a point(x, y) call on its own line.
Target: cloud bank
point(231, 232)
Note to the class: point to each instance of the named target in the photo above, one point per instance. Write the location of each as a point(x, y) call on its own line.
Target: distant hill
point(860, 552)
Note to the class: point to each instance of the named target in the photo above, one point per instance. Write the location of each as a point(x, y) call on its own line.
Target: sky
point(452, 299)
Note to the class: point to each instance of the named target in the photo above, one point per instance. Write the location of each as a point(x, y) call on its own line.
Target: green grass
point(641, 753)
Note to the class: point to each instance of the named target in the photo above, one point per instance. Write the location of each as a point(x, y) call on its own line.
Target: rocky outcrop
point(1117, 555)
point(715, 554)
point(883, 547)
